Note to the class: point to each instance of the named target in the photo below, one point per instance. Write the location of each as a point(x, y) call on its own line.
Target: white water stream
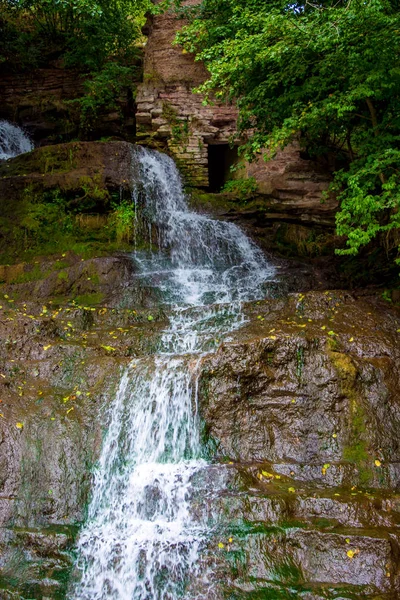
point(140, 541)
point(13, 141)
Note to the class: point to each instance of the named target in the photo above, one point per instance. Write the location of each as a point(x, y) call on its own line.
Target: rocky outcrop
point(74, 167)
point(300, 418)
point(303, 410)
point(104, 280)
point(288, 540)
point(293, 188)
point(39, 101)
point(313, 382)
point(60, 364)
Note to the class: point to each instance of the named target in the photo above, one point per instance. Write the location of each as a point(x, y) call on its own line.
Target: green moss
point(169, 112)
point(60, 264)
point(90, 299)
point(288, 572)
point(50, 215)
point(274, 591)
point(323, 523)
point(345, 369)
point(71, 369)
point(47, 160)
point(356, 450)
point(35, 274)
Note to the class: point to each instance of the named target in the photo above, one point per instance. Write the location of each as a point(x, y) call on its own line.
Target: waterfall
point(141, 540)
point(13, 141)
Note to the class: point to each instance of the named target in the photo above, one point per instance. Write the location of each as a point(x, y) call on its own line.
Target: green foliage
point(242, 188)
point(180, 133)
point(90, 299)
point(369, 206)
point(327, 74)
point(123, 219)
point(84, 32)
point(102, 92)
point(19, 48)
point(53, 222)
point(34, 274)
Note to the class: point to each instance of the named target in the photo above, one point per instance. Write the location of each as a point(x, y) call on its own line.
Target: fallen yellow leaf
point(266, 474)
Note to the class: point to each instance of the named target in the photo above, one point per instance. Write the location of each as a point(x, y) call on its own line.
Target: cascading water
point(13, 141)
point(141, 540)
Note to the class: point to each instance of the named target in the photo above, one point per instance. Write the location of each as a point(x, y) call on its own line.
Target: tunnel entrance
point(221, 157)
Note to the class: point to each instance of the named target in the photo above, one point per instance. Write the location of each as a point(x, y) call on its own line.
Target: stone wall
point(171, 115)
point(169, 111)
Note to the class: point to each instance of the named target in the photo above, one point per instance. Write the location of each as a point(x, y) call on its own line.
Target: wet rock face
point(105, 280)
point(313, 381)
point(59, 368)
point(303, 409)
point(301, 418)
point(277, 538)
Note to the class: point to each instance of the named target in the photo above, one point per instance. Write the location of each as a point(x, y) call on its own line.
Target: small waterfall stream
point(140, 540)
point(13, 141)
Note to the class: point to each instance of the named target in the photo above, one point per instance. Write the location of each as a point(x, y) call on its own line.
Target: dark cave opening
point(221, 157)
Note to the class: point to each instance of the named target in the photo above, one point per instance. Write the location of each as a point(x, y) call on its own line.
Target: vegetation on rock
point(326, 72)
point(55, 200)
point(99, 38)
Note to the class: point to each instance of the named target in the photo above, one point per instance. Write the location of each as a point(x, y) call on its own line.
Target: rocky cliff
point(300, 416)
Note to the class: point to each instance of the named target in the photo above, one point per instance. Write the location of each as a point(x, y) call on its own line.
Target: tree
point(84, 33)
point(328, 72)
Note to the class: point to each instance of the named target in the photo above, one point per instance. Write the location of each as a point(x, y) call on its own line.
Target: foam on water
point(13, 141)
point(140, 541)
